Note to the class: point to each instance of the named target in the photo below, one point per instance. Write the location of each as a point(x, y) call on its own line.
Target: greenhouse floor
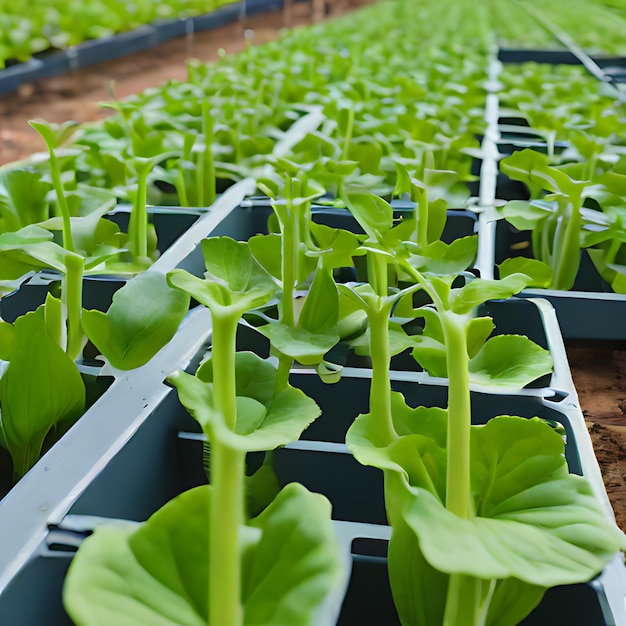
point(598, 368)
point(599, 372)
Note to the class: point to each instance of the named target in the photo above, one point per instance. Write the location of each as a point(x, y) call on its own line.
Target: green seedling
point(277, 567)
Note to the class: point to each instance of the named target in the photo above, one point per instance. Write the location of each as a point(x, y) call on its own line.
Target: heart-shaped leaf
point(420, 591)
point(144, 316)
point(526, 215)
point(509, 362)
point(431, 355)
point(533, 168)
point(452, 258)
point(540, 273)
point(545, 526)
point(302, 345)
point(254, 377)
point(372, 212)
point(234, 279)
point(338, 245)
point(369, 441)
point(479, 290)
point(267, 250)
point(283, 422)
point(295, 565)
point(158, 573)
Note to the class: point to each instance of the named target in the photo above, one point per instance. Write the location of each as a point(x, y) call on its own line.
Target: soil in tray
point(599, 369)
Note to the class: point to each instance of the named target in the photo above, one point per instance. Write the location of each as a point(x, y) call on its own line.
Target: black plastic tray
point(590, 310)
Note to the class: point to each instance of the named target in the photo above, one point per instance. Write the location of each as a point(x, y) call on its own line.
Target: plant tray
point(589, 311)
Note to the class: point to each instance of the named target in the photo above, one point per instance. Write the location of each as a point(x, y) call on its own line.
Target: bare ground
point(599, 373)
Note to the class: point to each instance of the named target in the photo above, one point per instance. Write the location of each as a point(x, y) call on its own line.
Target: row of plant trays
point(609, 68)
point(591, 309)
point(57, 62)
point(137, 447)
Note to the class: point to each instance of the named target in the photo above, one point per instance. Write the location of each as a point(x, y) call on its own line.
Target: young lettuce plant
point(54, 136)
point(606, 248)
point(41, 390)
point(23, 198)
point(304, 259)
point(382, 237)
point(556, 220)
point(95, 242)
point(195, 179)
point(87, 244)
point(604, 234)
point(480, 515)
point(561, 226)
point(144, 316)
point(220, 567)
point(295, 334)
point(146, 147)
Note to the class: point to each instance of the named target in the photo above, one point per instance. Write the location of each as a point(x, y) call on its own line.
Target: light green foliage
point(22, 198)
point(30, 28)
point(158, 573)
point(523, 499)
point(233, 279)
point(40, 389)
point(144, 316)
point(264, 422)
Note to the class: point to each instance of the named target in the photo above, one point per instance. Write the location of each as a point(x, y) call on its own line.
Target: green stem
point(223, 356)
point(289, 244)
point(181, 179)
point(468, 598)
point(567, 246)
point(138, 226)
point(551, 139)
point(467, 602)
point(536, 238)
point(378, 320)
point(422, 220)
point(226, 518)
point(459, 415)
point(377, 274)
point(305, 242)
point(227, 470)
point(142, 216)
point(208, 169)
point(72, 295)
point(440, 305)
point(591, 166)
point(348, 138)
point(290, 228)
point(547, 233)
point(282, 375)
point(55, 172)
point(614, 248)
point(199, 175)
point(181, 188)
point(380, 390)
